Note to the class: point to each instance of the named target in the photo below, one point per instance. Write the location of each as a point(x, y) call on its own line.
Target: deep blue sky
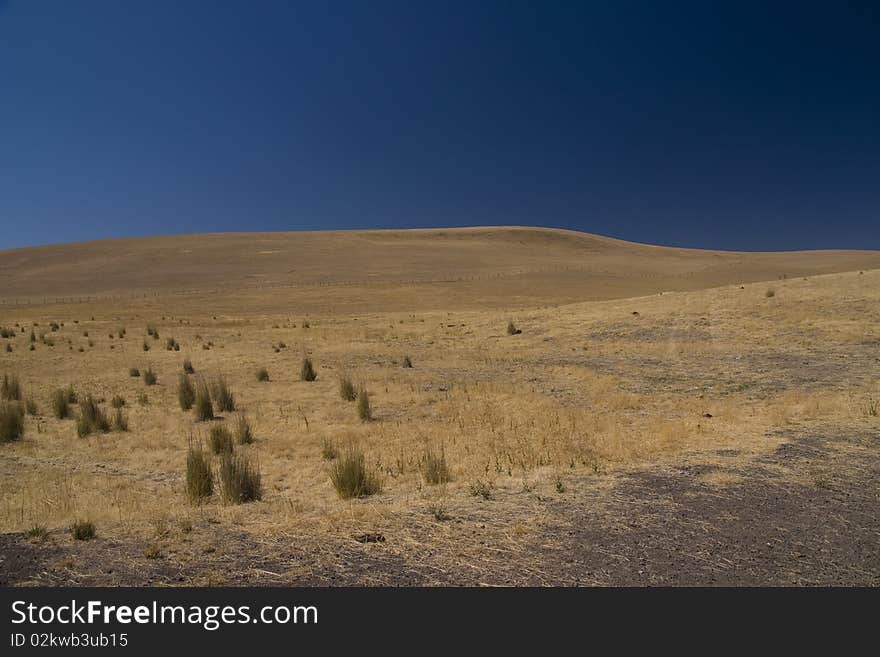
point(737, 125)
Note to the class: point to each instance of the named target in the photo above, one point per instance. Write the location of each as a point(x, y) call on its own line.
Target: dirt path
point(806, 514)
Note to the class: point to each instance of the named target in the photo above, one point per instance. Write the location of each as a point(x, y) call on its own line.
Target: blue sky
point(733, 125)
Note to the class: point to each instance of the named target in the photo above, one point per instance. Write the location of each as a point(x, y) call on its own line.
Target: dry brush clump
point(199, 476)
point(60, 402)
point(242, 430)
point(222, 395)
point(351, 477)
point(262, 374)
point(11, 421)
point(150, 377)
point(82, 530)
point(435, 468)
point(328, 450)
point(186, 393)
point(188, 367)
point(346, 388)
point(10, 388)
point(220, 440)
point(364, 410)
point(120, 420)
point(307, 370)
point(91, 418)
point(203, 406)
point(240, 479)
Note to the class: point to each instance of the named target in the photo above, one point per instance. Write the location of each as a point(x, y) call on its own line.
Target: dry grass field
point(545, 407)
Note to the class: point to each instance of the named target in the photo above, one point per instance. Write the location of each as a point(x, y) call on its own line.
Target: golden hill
point(459, 267)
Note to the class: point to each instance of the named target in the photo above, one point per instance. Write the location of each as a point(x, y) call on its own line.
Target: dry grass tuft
point(346, 388)
point(199, 477)
point(242, 430)
point(434, 467)
point(91, 418)
point(186, 393)
point(307, 370)
point(10, 388)
point(350, 476)
point(82, 530)
point(220, 440)
point(11, 421)
point(222, 395)
point(204, 409)
point(364, 410)
point(240, 479)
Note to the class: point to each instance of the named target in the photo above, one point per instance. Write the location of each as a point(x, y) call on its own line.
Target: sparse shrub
point(364, 410)
point(306, 324)
point(120, 420)
point(407, 363)
point(121, 332)
point(33, 336)
point(203, 407)
point(8, 348)
point(146, 346)
point(199, 478)
point(511, 328)
point(328, 450)
point(31, 407)
point(134, 372)
point(36, 533)
point(11, 421)
point(91, 418)
point(262, 374)
point(32, 348)
point(143, 400)
point(220, 440)
point(346, 388)
point(172, 345)
point(150, 377)
point(307, 371)
point(83, 530)
point(10, 388)
point(188, 367)
point(871, 407)
point(61, 403)
point(770, 293)
point(118, 401)
point(350, 476)
point(240, 479)
point(434, 467)
point(223, 396)
point(243, 433)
